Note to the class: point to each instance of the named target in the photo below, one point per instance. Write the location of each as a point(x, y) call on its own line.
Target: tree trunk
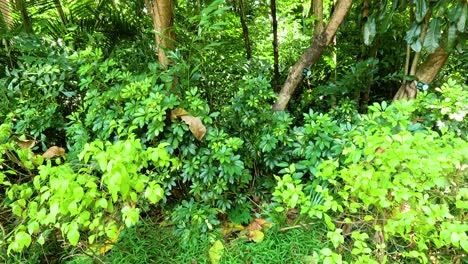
point(275, 45)
point(317, 10)
point(245, 30)
point(312, 54)
point(20, 5)
point(59, 8)
point(162, 14)
point(426, 73)
point(6, 13)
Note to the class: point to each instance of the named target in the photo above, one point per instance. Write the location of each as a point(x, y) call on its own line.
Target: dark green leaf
point(421, 10)
point(462, 20)
point(431, 42)
point(451, 36)
point(413, 33)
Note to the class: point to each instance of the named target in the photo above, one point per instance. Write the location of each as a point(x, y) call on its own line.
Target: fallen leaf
point(54, 152)
point(195, 125)
point(178, 112)
point(260, 221)
point(256, 236)
point(216, 252)
point(254, 226)
point(230, 228)
point(24, 143)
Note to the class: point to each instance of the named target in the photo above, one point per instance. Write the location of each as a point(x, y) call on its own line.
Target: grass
point(151, 243)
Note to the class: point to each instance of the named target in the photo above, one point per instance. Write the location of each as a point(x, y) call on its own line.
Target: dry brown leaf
point(260, 221)
point(195, 125)
point(254, 226)
point(24, 143)
point(54, 151)
point(178, 112)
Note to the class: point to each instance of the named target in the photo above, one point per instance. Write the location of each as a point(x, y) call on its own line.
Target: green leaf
point(421, 10)
point(451, 36)
point(455, 238)
point(101, 203)
point(462, 20)
point(329, 222)
point(154, 193)
point(464, 244)
point(413, 33)
point(73, 236)
point(433, 35)
point(23, 238)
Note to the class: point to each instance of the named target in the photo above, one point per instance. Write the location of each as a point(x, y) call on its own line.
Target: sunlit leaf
point(369, 31)
point(23, 238)
point(216, 252)
point(73, 236)
point(416, 46)
point(256, 236)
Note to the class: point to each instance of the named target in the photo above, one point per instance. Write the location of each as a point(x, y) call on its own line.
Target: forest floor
point(152, 243)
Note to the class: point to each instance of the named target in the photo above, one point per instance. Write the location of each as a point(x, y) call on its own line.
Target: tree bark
point(20, 5)
point(312, 54)
point(59, 8)
point(6, 12)
point(317, 9)
point(245, 30)
point(162, 14)
point(274, 22)
point(426, 73)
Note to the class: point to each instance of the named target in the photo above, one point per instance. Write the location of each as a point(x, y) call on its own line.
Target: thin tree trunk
point(317, 9)
point(417, 56)
point(276, 74)
point(59, 8)
point(162, 14)
point(245, 30)
point(20, 5)
point(6, 12)
point(312, 54)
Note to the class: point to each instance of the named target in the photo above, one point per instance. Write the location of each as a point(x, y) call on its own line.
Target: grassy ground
point(151, 243)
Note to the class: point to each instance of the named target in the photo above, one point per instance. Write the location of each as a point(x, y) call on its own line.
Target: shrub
point(398, 192)
point(84, 202)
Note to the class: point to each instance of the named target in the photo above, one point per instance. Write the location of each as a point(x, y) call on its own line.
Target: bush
point(82, 203)
point(398, 192)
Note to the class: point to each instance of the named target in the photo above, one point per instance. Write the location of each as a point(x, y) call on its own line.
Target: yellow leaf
point(231, 228)
point(216, 252)
point(178, 112)
point(109, 244)
point(195, 125)
point(256, 236)
point(54, 152)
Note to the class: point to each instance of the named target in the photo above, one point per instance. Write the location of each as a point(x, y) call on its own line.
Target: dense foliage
point(97, 134)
